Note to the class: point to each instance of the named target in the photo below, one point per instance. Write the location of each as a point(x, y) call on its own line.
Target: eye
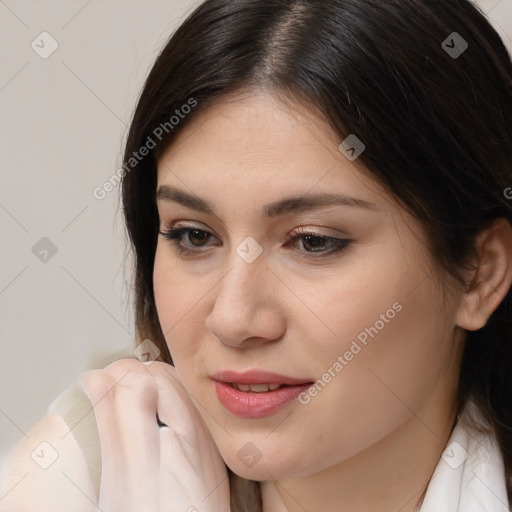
point(320, 244)
point(193, 234)
point(313, 244)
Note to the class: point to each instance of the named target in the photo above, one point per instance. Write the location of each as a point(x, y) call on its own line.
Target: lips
point(257, 377)
point(255, 394)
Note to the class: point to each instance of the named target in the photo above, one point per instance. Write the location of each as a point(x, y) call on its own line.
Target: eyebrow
point(292, 204)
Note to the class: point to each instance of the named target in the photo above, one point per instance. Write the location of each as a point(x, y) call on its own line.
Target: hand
point(145, 467)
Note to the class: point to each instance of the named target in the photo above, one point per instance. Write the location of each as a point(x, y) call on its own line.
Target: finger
point(188, 487)
point(189, 444)
point(124, 399)
point(176, 407)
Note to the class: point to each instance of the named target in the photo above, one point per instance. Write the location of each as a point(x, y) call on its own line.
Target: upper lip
point(256, 377)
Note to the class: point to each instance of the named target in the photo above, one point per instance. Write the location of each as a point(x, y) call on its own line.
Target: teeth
point(256, 388)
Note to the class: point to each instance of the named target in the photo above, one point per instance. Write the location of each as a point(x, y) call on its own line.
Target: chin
point(257, 474)
point(253, 464)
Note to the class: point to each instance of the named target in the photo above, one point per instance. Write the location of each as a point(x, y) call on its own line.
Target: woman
point(318, 195)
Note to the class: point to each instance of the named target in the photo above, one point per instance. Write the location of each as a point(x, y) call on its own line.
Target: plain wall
point(63, 122)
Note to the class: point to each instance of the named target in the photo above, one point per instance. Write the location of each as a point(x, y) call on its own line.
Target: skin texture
point(371, 438)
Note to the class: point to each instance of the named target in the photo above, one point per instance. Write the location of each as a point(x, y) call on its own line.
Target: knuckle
point(166, 378)
point(161, 370)
point(128, 374)
point(132, 374)
point(99, 382)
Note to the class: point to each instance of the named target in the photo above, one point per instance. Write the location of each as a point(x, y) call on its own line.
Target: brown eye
point(322, 245)
point(196, 237)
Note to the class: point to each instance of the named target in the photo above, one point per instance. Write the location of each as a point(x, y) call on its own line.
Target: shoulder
point(46, 470)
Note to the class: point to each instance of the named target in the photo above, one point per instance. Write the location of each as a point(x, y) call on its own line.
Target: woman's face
point(353, 308)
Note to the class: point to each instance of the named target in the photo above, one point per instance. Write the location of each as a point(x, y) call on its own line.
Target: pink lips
point(249, 404)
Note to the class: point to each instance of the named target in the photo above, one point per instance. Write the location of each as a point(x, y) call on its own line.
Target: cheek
point(387, 348)
point(383, 313)
point(387, 327)
point(177, 302)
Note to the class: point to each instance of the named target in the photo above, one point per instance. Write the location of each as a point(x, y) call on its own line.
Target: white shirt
point(470, 476)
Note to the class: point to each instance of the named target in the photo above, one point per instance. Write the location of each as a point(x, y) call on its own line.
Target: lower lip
point(256, 405)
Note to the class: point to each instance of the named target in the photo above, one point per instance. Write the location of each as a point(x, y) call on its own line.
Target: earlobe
point(491, 279)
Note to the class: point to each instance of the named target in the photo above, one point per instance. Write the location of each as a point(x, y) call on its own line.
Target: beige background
point(63, 121)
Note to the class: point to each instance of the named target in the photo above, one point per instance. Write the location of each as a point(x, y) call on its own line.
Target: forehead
point(255, 143)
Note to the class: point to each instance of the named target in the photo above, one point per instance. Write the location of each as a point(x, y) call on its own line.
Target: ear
point(491, 281)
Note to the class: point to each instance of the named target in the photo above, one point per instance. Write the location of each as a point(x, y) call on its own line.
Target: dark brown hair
point(436, 126)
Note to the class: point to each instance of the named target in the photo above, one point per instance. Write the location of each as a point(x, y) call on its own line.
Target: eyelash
point(174, 236)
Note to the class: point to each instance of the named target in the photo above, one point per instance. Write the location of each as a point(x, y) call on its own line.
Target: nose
point(246, 308)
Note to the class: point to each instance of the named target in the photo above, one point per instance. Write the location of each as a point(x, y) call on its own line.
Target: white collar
point(470, 476)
